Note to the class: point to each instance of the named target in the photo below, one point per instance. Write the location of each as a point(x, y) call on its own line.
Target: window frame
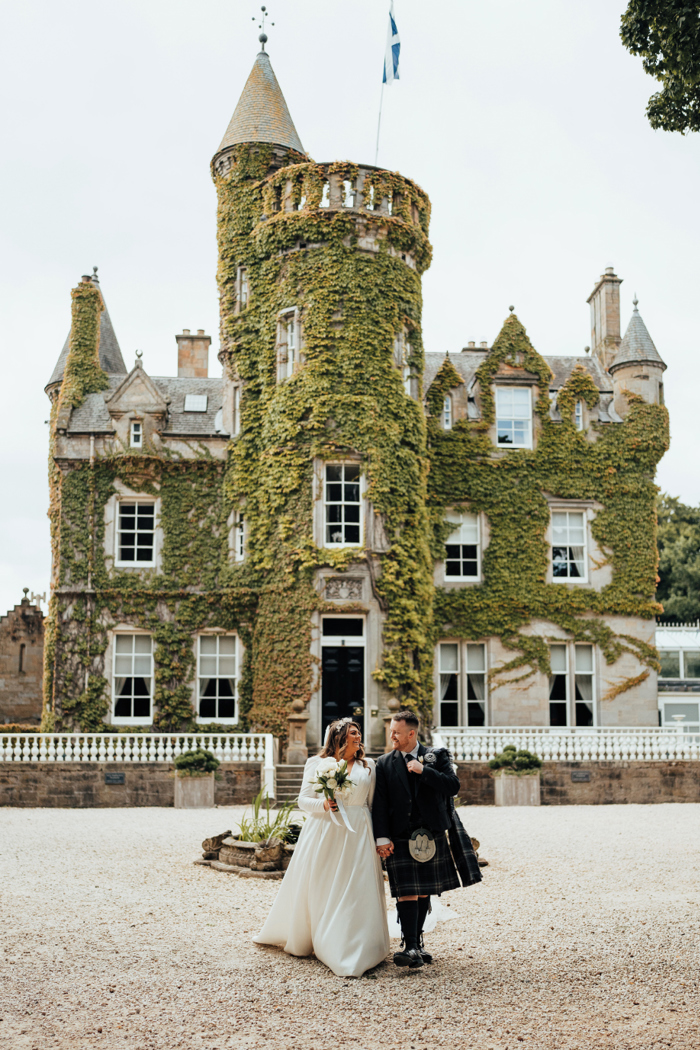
point(200, 719)
point(118, 561)
point(570, 648)
point(578, 416)
point(462, 674)
point(502, 387)
point(239, 536)
point(462, 578)
point(236, 410)
point(290, 316)
point(242, 289)
point(447, 412)
point(133, 443)
point(324, 503)
point(563, 509)
point(682, 675)
point(132, 720)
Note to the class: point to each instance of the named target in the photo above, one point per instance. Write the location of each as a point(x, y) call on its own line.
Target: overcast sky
point(524, 122)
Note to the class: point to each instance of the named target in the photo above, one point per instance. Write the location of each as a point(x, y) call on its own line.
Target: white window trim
point(681, 650)
point(283, 318)
point(514, 448)
point(466, 579)
point(575, 581)
point(136, 564)
point(579, 421)
point(363, 503)
point(236, 410)
point(447, 412)
point(462, 689)
point(239, 536)
point(570, 648)
point(121, 720)
point(132, 443)
point(240, 275)
point(239, 653)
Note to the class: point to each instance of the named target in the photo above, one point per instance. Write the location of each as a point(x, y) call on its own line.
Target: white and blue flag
point(393, 50)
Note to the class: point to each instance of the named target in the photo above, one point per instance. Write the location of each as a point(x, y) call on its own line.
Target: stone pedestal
point(517, 791)
point(297, 751)
point(194, 792)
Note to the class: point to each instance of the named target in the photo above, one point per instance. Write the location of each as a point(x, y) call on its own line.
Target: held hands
point(414, 766)
point(386, 850)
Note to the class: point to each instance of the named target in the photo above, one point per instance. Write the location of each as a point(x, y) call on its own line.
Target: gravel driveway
point(584, 934)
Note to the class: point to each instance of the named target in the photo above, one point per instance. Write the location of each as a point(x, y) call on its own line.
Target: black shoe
point(425, 956)
point(411, 957)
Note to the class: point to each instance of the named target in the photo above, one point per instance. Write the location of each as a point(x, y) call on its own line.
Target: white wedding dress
point(331, 901)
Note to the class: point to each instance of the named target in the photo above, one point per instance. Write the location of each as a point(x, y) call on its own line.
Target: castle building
point(347, 521)
point(21, 663)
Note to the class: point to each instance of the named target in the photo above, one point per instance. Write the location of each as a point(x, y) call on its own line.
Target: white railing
point(601, 744)
point(141, 747)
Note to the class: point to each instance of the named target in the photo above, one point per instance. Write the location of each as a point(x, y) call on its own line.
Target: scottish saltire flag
point(393, 50)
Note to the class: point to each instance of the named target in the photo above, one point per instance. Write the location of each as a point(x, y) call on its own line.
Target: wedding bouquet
point(332, 779)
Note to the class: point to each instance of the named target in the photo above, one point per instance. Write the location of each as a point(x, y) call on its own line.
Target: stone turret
point(637, 367)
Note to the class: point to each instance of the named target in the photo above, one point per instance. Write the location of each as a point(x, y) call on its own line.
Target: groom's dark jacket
point(425, 800)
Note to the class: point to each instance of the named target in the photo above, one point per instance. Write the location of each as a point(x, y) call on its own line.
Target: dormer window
point(288, 343)
point(136, 436)
point(447, 413)
point(578, 415)
point(514, 416)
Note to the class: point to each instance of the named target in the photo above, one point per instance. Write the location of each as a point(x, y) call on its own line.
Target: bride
point(331, 901)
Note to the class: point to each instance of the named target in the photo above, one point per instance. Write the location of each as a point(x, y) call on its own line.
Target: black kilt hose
point(405, 801)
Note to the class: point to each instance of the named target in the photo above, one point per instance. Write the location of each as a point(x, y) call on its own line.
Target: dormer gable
point(137, 394)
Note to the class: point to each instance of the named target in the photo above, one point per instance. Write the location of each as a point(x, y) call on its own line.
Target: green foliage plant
point(679, 559)
point(514, 762)
point(196, 763)
point(265, 823)
point(666, 34)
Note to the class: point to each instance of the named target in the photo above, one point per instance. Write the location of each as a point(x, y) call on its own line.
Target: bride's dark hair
point(337, 738)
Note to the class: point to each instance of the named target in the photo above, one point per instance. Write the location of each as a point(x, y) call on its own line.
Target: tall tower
point(320, 281)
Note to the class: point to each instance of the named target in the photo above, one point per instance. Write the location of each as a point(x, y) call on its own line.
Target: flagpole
point(379, 123)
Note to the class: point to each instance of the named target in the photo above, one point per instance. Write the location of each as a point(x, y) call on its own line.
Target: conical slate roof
point(261, 114)
point(111, 360)
point(637, 345)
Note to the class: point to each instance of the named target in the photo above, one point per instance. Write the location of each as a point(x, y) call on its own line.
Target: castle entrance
point(342, 670)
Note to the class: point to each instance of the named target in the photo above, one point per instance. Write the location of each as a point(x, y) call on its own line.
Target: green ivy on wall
point(611, 465)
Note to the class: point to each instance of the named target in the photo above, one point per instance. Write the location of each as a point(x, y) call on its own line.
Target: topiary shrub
point(197, 763)
point(513, 762)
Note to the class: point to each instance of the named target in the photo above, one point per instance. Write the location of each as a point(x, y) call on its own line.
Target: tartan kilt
point(409, 877)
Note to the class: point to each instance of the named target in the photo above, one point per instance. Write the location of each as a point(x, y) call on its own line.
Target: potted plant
point(517, 776)
point(195, 772)
point(265, 841)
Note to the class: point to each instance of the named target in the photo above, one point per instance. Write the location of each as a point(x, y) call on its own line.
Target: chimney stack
point(605, 318)
point(193, 354)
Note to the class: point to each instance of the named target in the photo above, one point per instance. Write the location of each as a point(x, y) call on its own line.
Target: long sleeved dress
point(331, 901)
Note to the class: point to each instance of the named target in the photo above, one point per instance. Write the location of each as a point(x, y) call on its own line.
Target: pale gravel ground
point(582, 935)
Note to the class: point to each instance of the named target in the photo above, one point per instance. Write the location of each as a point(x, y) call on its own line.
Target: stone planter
point(258, 856)
point(517, 791)
point(194, 792)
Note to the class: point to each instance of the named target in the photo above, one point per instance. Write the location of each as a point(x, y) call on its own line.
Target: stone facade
point(157, 602)
point(21, 664)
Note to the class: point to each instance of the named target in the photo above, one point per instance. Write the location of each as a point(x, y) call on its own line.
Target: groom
point(411, 812)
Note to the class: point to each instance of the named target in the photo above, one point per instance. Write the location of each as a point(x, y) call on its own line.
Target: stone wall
point(609, 783)
point(21, 664)
point(82, 785)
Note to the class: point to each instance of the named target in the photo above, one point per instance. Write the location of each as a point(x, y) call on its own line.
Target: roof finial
point(634, 303)
point(511, 308)
point(139, 355)
point(261, 25)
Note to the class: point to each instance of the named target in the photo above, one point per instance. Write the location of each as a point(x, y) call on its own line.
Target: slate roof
point(467, 362)
point(92, 417)
point(637, 345)
point(261, 114)
point(111, 358)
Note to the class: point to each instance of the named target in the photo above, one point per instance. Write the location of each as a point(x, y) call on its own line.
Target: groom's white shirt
point(413, 754)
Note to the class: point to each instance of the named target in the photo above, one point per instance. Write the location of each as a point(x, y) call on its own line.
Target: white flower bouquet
point(332, 779)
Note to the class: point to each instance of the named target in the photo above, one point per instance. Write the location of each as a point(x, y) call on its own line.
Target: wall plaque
point(115, 778)
point(581, 776)
point(344, 587)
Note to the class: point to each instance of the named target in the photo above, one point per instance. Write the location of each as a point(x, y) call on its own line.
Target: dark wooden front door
point(342, 684)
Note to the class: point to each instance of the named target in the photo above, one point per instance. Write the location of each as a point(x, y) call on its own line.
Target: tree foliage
point(666, 33)
point(679, 559)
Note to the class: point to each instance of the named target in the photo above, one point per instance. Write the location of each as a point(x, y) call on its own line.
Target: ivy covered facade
point(345, 521)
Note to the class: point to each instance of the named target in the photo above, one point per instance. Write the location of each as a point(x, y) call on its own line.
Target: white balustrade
point(600, 744)
point(256, 748)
